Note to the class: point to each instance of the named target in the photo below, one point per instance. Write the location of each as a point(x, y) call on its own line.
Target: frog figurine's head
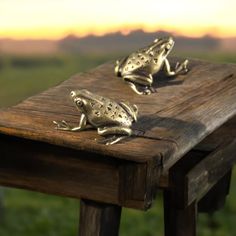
point(78, 98)
point(161, 47)
point(83, 99)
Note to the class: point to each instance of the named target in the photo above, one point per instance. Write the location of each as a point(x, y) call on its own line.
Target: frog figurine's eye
point(168, 46)
point(79, 102)
point(72, 94)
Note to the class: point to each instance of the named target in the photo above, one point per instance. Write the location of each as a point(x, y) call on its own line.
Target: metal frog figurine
point(109, 117)
point(138, 67)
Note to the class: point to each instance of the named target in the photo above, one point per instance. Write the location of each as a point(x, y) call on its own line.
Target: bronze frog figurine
point(139, 67)
point(111, 118)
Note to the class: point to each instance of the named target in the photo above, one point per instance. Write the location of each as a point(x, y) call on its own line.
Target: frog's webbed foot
point(111, 140)
point(147, 90)
point(180, 68)
point(134, 87)
point(63, 125)
point(152, 89)
point(116, 134)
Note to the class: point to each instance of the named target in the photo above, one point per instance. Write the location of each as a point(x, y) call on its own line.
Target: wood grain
point(67, 172)
point(224, 134)
point(195, 174)
point(216, 197)
point(209, 171)
point(99, 219)
point(49, 169)
point(183, 112)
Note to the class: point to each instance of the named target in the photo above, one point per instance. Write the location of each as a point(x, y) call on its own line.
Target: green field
point(21, 77)
point(27, 213)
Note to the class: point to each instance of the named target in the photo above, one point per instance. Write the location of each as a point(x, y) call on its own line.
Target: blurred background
point(44, 42)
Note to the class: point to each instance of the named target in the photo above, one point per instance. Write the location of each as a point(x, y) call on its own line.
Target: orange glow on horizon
point(53, 19)
point(59, 33)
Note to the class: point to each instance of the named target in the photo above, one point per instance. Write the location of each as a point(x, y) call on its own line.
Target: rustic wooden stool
point(170, 155)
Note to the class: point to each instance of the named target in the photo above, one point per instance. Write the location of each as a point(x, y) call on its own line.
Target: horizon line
point(125, 32)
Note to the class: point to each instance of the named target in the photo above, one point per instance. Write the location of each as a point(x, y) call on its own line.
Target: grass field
point(21, 77)
point(27, 213)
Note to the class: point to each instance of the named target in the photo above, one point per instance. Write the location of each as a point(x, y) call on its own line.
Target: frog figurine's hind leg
point(144, 80)
point(179, 68)
point(132, 110)
point(63, 125)
point(118, 133)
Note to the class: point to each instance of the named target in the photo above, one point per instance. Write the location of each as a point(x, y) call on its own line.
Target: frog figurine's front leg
point(179, 68)
point(63, 125)
point(119, 133)
point(142, 79)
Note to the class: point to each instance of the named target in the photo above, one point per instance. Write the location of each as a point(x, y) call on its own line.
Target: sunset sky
point(55, 19)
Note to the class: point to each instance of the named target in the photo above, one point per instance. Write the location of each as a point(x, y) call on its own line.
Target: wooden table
point(187, 148)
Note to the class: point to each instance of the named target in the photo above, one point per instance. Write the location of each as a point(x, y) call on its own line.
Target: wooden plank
point(138, 184)
point(223, 134)
point(57, 170)
point(175, 176)
point(173, 120)
point(216, 197)
point(99, 219)
point(50, 169)
point(209, 171)
point(196, 173)
point(40, 127)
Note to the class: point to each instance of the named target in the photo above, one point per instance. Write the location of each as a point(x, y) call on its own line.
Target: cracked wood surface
point(183, 112)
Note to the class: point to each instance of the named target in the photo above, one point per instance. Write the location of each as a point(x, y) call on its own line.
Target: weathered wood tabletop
point(178, 118)
point(172, 121)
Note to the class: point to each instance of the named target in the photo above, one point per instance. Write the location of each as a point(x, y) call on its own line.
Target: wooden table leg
point(99, 219)
point(179, 221)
